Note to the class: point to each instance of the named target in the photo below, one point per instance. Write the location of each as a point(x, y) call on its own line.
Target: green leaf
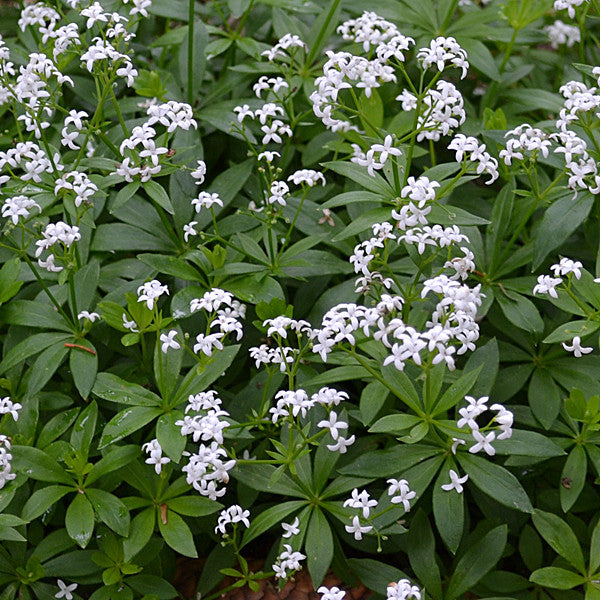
point(117, 458)
point(363, 222)
point(258, 477)
point(177, 534)
point(127, 191)
point(359, 174)
point(495, 481)
point(445, 214)
point(557, 578)
point(499, 223)
point(159, 195)
point(375, 575)
point(528, 443)
point(560, 537)
point(318, 546)
point(567, 331)
point(422, 556)
point(33, 313)
point(559, 221)
point(30, 346)
point(400, 385)
point(113, 388)
point(41, 500)
point(477, 561)
point(544, 397)
point(36, 464)
point(111, 237)
point(395, 423)
point(573, 477)
point(167, 366)
point(272, 516)
point(9, 279)
point(202, 375)
point(84, 366)
point(194, 506)
point(595, 549)
point(140, 532)
point(171, 265)
point(520, 311)
point(457, 391)
point(56, 426)
point(169, 435)
point(86, 282)
point(152, 586)
point(79, 520)
point(126, 422)
point(45, 366)
point(84, 429)
point(448, 510)
point(110, 510)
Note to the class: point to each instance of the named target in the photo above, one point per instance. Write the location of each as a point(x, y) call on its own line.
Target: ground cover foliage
point(302, 283)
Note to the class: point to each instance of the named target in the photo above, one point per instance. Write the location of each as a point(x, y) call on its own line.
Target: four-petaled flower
point(455, 482)
point(168, 341)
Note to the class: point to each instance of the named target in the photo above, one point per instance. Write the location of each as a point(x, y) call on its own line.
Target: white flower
point(150, 291)
point(91, 316)
point(290, 528)
point(233, 514)
point(483, 442)
point(455, 482)
point(546, 285)
point(361, 501)
point(131, 325)
point(188, 230)
point(8, 406)
point(401, 493)
point(154, 449)
point(18, 206)
point(168, 341)
point(206, 343)
point(65, 590)
point(576, 348)
point(333, 425)
point(333, 593)
point(357, 529)
point(199, 172)
point(341, 445)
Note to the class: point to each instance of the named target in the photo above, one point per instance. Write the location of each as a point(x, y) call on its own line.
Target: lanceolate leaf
point(495, 481)
point(319, 546)
point(560, 537)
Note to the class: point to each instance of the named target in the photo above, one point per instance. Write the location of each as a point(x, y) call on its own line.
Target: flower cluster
point(285, 48)
point(442, 110)
point(230, 516)
point(6, 473)
point(287, 562)
point(469, 149)
point(59, 232)
point(150, 291)
point(226, 319)
point(403, 590)
point(442, 52)
point(206, 468)
point(483, 440)
point(560, 33)
point(370, 160)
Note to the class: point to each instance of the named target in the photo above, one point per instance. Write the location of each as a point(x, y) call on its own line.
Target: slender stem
point(316, 46)
point(58, 307)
